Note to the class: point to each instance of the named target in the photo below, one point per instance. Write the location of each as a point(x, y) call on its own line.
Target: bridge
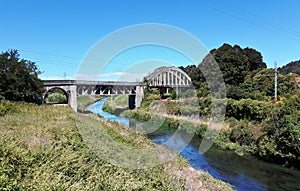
point(163, 77)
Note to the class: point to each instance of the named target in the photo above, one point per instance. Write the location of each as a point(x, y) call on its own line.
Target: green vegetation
point(257, 125)
point(84, 101)
point(116, 103)
point(41, 149)
point(292, 67)
point(19, 78)
point(254, 123)
point(5, 107)
point(56, 95)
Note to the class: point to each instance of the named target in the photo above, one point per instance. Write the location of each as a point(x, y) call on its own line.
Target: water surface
point(243, 173)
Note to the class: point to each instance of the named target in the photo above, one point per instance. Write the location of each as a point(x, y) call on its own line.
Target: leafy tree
point(281, 141)
point(19, 78)
point(262, 82)
point(235, 62)
point(292, 67)
point(195, 73)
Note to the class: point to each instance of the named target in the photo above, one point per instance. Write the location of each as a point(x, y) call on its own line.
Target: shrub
point(6, 107)
point(56, 98)
point(280, 142)
point(245, 133)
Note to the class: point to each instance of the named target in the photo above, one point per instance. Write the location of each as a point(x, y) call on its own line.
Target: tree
point(280, 142)
point(235, 62)
point(292, 67)
point(19, 78)
point(195, 73)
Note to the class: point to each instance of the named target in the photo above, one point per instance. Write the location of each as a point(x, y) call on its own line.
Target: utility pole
point(275, 79)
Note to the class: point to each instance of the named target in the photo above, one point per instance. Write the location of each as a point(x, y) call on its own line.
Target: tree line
point(266, 129)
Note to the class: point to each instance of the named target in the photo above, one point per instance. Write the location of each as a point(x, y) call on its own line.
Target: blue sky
point(57, 34)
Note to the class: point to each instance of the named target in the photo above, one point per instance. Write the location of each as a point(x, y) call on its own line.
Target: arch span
point(68, 88)
point(169, 77)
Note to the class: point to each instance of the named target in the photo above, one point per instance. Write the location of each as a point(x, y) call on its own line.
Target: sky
point(59, 34)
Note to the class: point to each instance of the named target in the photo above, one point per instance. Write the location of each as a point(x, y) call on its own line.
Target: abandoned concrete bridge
point(163, 77)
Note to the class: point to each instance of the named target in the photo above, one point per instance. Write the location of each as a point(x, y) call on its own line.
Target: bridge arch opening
point(56, 95)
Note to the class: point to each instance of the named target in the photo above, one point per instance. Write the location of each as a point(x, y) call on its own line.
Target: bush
point(245, 133)
point(174, 94)
point(249, 109)
point(56, 98)
point(6, 107)
point(201, 129)
point(280, 142)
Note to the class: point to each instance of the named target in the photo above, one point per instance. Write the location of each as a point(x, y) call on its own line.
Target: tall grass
point(41, 148)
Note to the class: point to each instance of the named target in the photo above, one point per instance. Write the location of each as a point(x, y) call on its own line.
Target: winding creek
point(243, 173)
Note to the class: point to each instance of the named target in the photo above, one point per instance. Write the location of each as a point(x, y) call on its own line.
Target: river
point(242, 173)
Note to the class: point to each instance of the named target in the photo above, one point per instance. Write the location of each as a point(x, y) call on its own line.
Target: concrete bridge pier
point(134, 101)
point(70, 91)
point(139, 95)
point(72, 97)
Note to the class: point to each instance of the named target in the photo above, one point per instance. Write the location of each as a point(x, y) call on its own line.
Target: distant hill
point(292, 67)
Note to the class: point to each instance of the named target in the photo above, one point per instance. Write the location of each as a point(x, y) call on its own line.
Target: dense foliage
point(235, 62)
point(56, 95)
point(18, 78)
point(257, 125)
point(292, 67)
point(280, 142)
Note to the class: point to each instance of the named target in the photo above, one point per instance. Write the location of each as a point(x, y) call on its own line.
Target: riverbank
point(242, 136)
point(172, 122)
point(84, 101)
point(42, 148)
point(242, 172)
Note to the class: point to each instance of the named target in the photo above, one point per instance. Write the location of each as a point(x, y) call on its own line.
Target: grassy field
point(45, 148)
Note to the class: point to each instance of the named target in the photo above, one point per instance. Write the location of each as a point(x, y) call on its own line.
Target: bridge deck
point(83, 82)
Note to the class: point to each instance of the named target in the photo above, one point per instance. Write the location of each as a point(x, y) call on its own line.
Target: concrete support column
point(180, 79)
point(139, 95)
point(72, 97)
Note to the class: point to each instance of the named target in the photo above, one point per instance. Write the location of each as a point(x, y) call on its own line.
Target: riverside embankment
point(42, 148)
point(242, 172)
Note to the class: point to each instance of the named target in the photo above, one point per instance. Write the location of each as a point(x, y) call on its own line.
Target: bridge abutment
point(71, 92)
point(139, 95)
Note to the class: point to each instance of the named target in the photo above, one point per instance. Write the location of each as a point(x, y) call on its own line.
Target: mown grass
point(45, 148)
